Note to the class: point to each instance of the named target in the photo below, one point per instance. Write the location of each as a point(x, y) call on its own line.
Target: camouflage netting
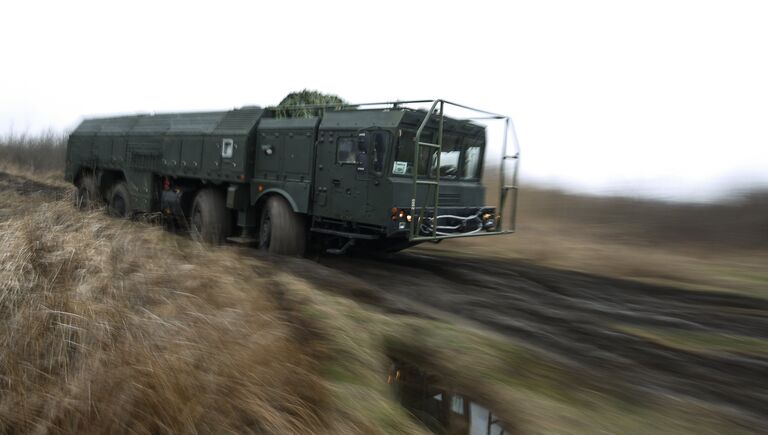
point(306, 97)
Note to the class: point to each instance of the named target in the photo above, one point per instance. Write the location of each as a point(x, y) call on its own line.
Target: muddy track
point(25, 186)
point(575, 316)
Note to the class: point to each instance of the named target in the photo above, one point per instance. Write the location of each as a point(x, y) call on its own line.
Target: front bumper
point(450, 222)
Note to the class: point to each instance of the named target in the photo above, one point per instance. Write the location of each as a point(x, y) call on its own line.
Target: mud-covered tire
point(120, 201)
point(281, 230)
point(210, 221)
point(86, 193)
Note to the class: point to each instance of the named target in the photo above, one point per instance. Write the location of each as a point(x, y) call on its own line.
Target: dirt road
point(579, 318)
point(25, 186)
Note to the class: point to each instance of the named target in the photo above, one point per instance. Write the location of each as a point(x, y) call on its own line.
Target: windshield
point(459, 159)
point(470, 170)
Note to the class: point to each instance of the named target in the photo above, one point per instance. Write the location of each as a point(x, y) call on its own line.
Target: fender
point(297, 193)
point(73, 174)
point(274, 190)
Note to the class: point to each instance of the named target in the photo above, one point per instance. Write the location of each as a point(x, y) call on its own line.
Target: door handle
point(336, 181)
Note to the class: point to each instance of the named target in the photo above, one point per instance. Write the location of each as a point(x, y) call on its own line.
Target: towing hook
point(343, 249)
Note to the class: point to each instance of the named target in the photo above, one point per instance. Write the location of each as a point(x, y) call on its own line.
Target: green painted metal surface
point(350, 166)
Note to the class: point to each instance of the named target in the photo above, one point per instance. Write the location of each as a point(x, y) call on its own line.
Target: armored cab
point(378, 177)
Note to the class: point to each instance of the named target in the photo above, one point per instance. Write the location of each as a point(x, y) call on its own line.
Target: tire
point(86, 194)
point(210, 221)
point(120, 201)
point(281, 230)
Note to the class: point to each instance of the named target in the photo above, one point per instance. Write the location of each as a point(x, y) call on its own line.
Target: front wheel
point(282, 231)
point(120, 201)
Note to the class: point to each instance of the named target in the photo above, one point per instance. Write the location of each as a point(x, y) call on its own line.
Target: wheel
point(210, 220)
point(120, 201)
point(86, 193)
point(282, 231)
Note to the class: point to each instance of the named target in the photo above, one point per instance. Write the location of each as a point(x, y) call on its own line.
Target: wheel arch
point(107, 179)
point(275, 191)
point(81, 172)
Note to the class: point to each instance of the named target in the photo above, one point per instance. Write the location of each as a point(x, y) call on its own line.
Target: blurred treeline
point(739, 221)
point(42, 152)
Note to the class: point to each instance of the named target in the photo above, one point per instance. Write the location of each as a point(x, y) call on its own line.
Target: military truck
point(382, 176)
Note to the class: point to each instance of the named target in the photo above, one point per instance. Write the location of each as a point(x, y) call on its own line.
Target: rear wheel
point(86, 193)
point(282, 231)
point(210, 220)
point(120, 201)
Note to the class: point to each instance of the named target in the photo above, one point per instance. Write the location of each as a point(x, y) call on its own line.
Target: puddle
point(438, 406)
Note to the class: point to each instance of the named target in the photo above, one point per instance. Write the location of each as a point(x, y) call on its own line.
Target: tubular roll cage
point(437, 109)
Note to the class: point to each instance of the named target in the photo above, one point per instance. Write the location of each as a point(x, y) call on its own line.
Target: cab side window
point(368, 150)
point(346, 150)
point(379, 144)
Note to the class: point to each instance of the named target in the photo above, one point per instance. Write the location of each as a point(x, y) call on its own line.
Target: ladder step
point(243, 240)
point(427, 144)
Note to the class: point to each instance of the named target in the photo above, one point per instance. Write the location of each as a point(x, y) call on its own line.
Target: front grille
point(448, 199)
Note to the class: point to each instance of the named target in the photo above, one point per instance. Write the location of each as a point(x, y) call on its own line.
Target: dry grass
point(110, 328)
point(114, 330)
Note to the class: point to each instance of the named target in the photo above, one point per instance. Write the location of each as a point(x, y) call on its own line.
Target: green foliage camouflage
point(304, 98)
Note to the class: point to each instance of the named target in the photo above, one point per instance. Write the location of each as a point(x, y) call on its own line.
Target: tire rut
point(575, 316)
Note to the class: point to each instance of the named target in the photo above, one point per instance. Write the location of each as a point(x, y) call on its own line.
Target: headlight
point(402, 217)
point(489, 221)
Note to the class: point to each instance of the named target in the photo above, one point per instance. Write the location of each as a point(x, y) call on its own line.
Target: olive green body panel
point(452, 193)
point(284, 160)
point(188, 145)
point(348, 191)
point(344, 168)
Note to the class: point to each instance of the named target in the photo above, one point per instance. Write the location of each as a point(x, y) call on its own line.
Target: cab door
point(379, 202)
point(341, 176)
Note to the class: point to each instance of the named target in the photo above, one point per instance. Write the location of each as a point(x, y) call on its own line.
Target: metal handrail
point(415, 227)
point(503, 187)
point(394, 104)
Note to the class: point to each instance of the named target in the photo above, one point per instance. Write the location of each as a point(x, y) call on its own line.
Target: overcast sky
point(662, 98)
